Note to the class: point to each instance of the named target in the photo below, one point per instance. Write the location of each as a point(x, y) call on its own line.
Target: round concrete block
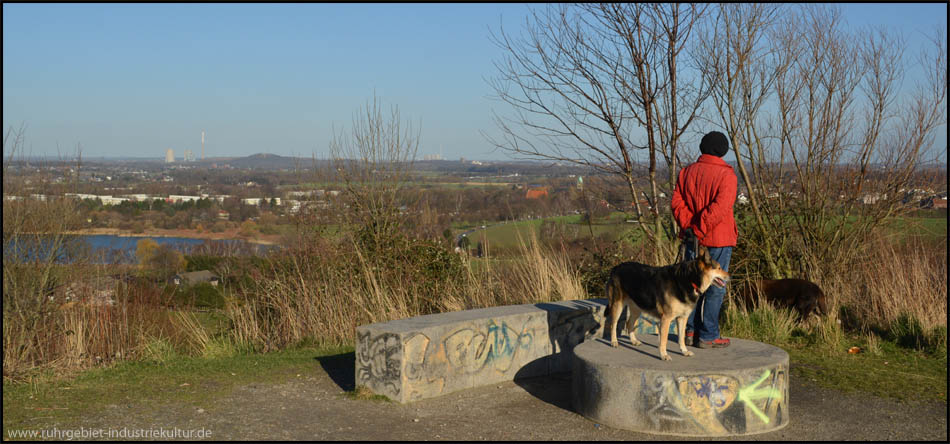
point(738, 390)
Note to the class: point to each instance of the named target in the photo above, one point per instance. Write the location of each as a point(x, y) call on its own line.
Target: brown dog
point(668, 293)
point(803, 296)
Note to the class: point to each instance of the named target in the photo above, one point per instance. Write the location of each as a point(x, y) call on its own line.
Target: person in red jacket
point(702, 201)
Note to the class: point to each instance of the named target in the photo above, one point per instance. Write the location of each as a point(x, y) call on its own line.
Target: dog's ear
point(703, 254)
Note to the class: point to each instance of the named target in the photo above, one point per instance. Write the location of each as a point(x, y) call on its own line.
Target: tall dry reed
point(894, 287)
point(86, 331)
point(305, 294)
point(544, 274)
point(892, 280)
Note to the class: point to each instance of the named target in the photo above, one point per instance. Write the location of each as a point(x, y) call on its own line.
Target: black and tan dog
point(803, 296)
point(665, 292)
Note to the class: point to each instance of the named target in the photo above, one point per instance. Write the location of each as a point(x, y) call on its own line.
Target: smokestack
point(202, 145)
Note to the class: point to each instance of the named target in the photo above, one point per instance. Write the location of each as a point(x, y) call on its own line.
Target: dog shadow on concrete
point(340, 369)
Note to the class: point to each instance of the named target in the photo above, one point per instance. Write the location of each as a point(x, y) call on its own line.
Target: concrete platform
point(432, 355)
point(738, 390)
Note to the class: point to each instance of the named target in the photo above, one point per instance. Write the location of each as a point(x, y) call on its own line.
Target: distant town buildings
point(256, 201)
point(934, 202)
point(179, 198)
point(139, 197)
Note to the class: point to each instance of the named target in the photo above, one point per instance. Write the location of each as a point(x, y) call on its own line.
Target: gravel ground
point(312, 406)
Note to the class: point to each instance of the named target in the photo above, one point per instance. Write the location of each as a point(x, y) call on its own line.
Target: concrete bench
point(431, 355)
point(738, 390)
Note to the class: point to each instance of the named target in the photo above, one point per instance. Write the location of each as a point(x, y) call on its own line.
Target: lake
point(111, 249)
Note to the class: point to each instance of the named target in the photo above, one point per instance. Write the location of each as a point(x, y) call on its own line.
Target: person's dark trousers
point(711, 301)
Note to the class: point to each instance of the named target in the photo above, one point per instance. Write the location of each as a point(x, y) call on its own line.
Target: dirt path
point(312, 406)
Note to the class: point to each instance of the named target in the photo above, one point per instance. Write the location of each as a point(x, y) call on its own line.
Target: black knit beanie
point(714, 143)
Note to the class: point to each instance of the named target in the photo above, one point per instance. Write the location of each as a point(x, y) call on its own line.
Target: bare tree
point(595, 84)
point(373, 162)
point(824, 144)
point(739, 62)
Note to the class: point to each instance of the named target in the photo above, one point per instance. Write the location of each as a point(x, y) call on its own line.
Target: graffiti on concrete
point(712, 404)
point(429, 364)
point(709, 400)
point(769, 394)
point(708, 391)
point(472, 350)
point(646, 325)
point(421, 377)
point(378, 361)
point(659, 401)
point(415, 350)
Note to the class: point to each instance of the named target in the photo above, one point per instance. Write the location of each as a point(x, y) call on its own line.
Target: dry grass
point(196, 337)
point(82, 333)
point(893, 280)
point(544, 274)
point(895, 290)
point(327, 296)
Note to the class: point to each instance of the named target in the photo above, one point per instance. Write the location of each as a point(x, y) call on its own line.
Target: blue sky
point(136, 79)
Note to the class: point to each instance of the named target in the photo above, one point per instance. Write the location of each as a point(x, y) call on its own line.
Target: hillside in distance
point(265, 162)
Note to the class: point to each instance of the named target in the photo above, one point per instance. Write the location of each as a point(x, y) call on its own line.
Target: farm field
point(507, 234)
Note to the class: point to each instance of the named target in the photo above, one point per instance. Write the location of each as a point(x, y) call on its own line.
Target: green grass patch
point(312, 185)
point(47, 399)
point(506, 235)
point(464, 185)
point(932, 228)
point(887, 366)
point(892, 372)
point(363, 393)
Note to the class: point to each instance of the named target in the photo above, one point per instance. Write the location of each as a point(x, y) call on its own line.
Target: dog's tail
point(611, 287)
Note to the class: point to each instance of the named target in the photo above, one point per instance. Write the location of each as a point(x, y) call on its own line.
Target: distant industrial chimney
point(202, 145)
point(169, 156)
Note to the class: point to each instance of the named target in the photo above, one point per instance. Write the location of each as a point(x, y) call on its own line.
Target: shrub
point(269, 229)
point(159, 350)
point(198, 262)
point(907, 331)
point(201, 295)
point(248, 229)
point(597, 257)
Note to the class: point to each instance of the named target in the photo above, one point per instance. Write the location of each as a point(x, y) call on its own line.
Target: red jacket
point(703, 198)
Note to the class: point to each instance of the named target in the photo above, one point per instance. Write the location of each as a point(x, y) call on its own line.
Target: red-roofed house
point(536, 193)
